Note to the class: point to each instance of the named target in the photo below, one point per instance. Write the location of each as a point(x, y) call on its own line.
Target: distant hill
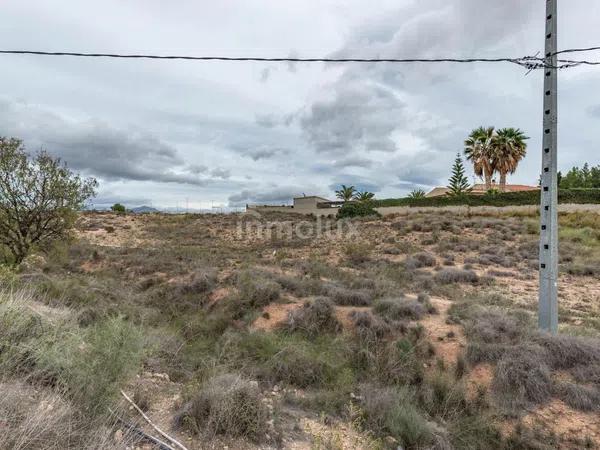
point(143, 210)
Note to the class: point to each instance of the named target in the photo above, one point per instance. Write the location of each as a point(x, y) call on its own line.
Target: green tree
point(345, 193)
point(417, 193)
point(509, 149)
point(364, 196)
point(118, 208)
point(585, 178)
point(459, 183)
point(39, 198)
point(479, 150)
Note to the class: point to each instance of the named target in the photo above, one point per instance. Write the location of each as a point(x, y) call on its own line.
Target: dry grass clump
point(419, 260)
point(36, 418)
point(226, 404)
point(256, 291)
point(522, 378)
point(358, 252)
point(567, 352)
point(200, 282)
point(315, 317)
point(399, 308)
point(300, 286)
point(454, 275)
point(580, 397)
point(350, 297)
point(369, 327)
point(391, 411)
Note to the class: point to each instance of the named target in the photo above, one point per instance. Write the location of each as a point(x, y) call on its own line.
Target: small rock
point(118, 437)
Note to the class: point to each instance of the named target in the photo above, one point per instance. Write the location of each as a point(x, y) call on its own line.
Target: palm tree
point(479, 149)
point(510, 149)
point(345, 193)
point(417, 193)
point(364, 196)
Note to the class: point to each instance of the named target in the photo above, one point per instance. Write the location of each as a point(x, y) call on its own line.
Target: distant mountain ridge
point(144, 210)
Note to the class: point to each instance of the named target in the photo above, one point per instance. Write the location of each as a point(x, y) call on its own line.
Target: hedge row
point(579, 196)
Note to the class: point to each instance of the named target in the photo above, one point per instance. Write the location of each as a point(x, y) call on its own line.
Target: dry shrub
point(200, 282)
point(453, 275)
point(567, 352)
point(37, 418)
point(582, 398)
point(358, 252)
point(399, 308)
point(495, 327)
point(391, 411)
point(420, 260)
point(256, 291)
point(368, 326)
point(350, 297)
point(522, 378)
point(315, 317)
point(229, 405)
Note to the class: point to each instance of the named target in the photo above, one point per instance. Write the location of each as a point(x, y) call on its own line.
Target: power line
point(577, 50)
point(529, 62)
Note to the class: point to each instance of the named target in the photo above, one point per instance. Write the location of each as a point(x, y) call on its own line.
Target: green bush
point(578, 196)
point(362, 209)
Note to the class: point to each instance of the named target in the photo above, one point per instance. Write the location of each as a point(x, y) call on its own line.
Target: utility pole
point(548, 301)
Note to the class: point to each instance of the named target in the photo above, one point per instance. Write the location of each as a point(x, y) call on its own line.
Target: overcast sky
point(236, 133)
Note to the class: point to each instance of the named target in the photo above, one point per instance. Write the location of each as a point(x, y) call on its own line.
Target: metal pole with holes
point(548, 302)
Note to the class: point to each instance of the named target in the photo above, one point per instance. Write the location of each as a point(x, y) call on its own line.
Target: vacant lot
point(413, 331)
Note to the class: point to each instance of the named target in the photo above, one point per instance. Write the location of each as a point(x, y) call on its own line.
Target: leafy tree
point(509, 149)
point(417, 193)
point(364, 196)
point(583, 178)
point(459, 183)
point(39, 198)
point(345, 193)
point(118, 208)
point(479, 150)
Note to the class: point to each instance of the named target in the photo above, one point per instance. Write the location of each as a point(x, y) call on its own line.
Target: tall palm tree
point(345, 193)
point(510, 149)
point(364, 196)
point(479, 149)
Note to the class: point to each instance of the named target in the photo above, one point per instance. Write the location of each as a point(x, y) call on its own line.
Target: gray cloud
point(360, 116)
point(99, 149)
point(352, 161)
point(594, 111)
point(220, 173)
point(279, 196)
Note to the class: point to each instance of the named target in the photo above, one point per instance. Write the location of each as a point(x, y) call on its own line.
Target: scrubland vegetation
point(419, 332)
